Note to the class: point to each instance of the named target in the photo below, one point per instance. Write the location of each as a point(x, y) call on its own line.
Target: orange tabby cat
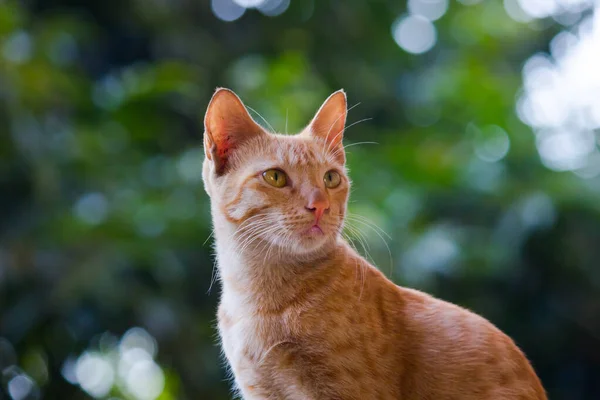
point(302, 315)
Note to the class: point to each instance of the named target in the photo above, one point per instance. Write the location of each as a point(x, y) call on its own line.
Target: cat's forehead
point(297, 150)
point(286, 151)
point(301, 151)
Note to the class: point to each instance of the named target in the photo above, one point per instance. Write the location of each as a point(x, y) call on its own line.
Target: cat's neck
point(256, 275)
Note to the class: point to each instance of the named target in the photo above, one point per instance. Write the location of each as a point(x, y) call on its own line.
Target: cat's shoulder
point(427, 309)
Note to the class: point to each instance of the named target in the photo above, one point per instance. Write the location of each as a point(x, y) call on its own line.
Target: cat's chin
point(312, 240)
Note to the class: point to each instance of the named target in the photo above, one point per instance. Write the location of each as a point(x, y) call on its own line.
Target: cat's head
point(288, 191)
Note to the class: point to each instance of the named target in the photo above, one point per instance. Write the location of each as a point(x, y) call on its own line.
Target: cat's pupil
point(276, 176)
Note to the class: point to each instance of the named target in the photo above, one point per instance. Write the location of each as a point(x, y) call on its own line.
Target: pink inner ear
point(228, 124)
point(224, 147)
point(330, 131)
point(230, 132)
point(330, 121)
point(224, 142)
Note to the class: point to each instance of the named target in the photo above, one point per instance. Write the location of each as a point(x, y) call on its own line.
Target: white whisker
point(256, 235)
point(286, 120)
point(344, 130)
point(363, 242)
point(212, 232)
point(213, 276)
point(356, 144)
point(263, 118)
point(334, 122)
point(365, 220)
point(371, 225)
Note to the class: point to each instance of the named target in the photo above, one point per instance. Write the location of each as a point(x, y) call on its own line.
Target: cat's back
point(457, 354)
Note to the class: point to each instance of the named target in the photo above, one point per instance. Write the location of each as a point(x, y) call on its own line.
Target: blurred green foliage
point(104, 221)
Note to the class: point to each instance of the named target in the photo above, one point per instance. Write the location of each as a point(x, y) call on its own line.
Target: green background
point(104, 221)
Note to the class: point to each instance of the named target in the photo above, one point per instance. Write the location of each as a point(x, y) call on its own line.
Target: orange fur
point(302, 315)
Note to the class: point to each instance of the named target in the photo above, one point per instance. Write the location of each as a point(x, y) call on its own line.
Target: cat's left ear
point(227, 125)
point(329, 123)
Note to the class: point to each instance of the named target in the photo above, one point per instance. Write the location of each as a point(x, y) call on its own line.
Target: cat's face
point(289, 192)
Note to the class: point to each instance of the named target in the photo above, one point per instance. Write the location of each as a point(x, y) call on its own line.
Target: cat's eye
point(275, 177)
point(332, 179)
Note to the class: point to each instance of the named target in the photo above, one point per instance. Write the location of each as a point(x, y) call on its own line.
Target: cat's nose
point(318, 205)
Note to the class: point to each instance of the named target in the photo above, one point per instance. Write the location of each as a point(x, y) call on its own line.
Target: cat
point(302, 316)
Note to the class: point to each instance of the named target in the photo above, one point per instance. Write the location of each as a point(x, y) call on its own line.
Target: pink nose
point(318, 204)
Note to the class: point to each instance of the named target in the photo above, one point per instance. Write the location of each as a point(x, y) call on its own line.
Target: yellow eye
point(275, 177)
point(332, 179)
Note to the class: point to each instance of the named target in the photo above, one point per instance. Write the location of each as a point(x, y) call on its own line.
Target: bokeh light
point(414, 34)
point(514, 10)
point(91, 208)
point(227, 10)
point(189, 165)
point(18, 48)
point(145, 380)
point(546, 8)
point(95, 374)
point(20, 387)
point(125, 366)
point(63, 49)
point(138, 338)
point(273, 8)
point(231, 10)
point(560, 96)
point(149, 220)
point(430, 9)
point(249, 3)
point(436, 251)
point(491, 143)
point(539, 8)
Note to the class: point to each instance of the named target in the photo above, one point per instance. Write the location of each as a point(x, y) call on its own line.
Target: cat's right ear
point(227, 125)
point(329, 124)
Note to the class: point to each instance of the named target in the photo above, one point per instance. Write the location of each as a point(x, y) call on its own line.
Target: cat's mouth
point(313, 231)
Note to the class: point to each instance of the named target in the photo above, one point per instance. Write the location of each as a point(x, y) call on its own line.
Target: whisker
point(212, 232)
point(368, 221)
point(382, 239)
point(287, 242)
point(272, 245)
point(358, 234)
point(363, 268)
point(331, 127)
point(373, 227)
point(351, 243)
point(356, 144)
point(335, 153)
point(248, 223)
point(249, 220)
point(344, 130)
point(286, 119)
point(249, 234)
point(256, 235)
point(213, 276)
point(361, 239)
point(263, 118)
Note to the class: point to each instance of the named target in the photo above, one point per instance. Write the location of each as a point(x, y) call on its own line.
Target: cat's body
point(356, 335)
point(302, 315)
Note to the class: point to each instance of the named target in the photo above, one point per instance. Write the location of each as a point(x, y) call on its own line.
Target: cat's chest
point(247, 338)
